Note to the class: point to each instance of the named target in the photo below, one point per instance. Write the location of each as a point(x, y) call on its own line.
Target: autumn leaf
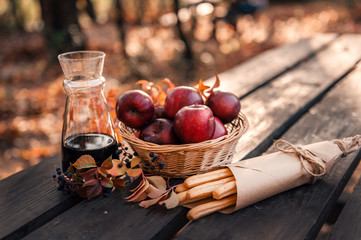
point(146, 85)
point(118, 183)
point(85, 161)
point(90, 191)
point(154, 192)
point(140, 194)
point(90, 177)
point(134, 172)
point(170, 84)
point(171, 202)
point(216, 84)
point(116, 170)
point(107, 164)
point(201, 88)
point(135, 162)
point(152, 201)
point(112, 93)
point(106, 182)
point(158, 182)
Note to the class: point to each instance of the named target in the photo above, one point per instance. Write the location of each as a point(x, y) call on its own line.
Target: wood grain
point(243, 79)
point(274, 108)
point(29, 199)
point(298, 213)
point(348, 225)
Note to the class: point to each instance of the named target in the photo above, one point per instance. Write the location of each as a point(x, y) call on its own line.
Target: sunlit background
point(143, 39)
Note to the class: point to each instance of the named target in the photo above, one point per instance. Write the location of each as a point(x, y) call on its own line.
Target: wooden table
point(304, 92)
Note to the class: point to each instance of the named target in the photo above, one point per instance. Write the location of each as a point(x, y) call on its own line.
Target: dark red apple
point(159, 112)
point(135, 108)
point(180, 97)
point(224, 105)
point(159, 131)
point(220, 130)
point(194, 123)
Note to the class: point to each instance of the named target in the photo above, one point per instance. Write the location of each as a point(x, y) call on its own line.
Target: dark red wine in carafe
point(99, 146)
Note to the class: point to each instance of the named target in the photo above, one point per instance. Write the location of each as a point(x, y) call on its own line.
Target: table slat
point(274, 108)
point(29, 198)
point(298, 213)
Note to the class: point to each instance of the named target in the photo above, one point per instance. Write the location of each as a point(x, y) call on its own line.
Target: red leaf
point(90, 175)
point(90, 191)
point(106, 182)
point(118, 183)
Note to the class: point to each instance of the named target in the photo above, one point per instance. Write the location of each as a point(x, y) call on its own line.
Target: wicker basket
point(189, 159)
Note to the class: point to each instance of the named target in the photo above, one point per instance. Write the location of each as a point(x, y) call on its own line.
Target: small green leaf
point(85, 161)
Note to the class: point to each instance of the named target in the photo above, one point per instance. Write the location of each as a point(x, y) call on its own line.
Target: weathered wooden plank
point(261, 69)
point(113, 218)
point(348, 223)
point(275, 107)
point(298, 213)
point(29, 198)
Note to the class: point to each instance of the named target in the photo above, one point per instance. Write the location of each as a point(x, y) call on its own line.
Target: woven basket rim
point(240, 126)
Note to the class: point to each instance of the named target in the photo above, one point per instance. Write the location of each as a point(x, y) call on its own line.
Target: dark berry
point(161, 165)
point(69, 175)
point(119, 144)
point(130, 156)
point(54, 176)
point(58, 172)
point(128, 165)
point(58, 169)
point(119, 151)
point(61, 178)
point(135, 154)
point(152, 167)
point(126, 160)
point(146, 163)
point(151, 154)
point(120, 165)
point(126, 148)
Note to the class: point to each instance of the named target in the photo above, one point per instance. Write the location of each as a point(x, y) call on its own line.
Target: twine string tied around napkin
point(304, 156)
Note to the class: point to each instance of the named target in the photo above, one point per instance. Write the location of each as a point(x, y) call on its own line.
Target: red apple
point(180, 97)
point(224, 105)
point(135, 108)
point(159, 112)
point(194, 123)
point(159, 131)
point(220, 130)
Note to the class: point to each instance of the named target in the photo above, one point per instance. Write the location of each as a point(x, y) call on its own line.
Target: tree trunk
point(62, 29)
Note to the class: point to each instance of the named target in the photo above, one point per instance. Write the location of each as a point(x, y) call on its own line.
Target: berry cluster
point(65, 181)
point(124, 156)
point(156, 161)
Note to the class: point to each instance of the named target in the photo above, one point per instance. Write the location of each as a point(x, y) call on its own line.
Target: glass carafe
point(87, 127)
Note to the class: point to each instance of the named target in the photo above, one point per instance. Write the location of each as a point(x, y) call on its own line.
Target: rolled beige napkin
point(267, 175)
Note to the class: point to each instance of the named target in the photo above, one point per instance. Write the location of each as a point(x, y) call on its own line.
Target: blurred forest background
point(183, 40)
